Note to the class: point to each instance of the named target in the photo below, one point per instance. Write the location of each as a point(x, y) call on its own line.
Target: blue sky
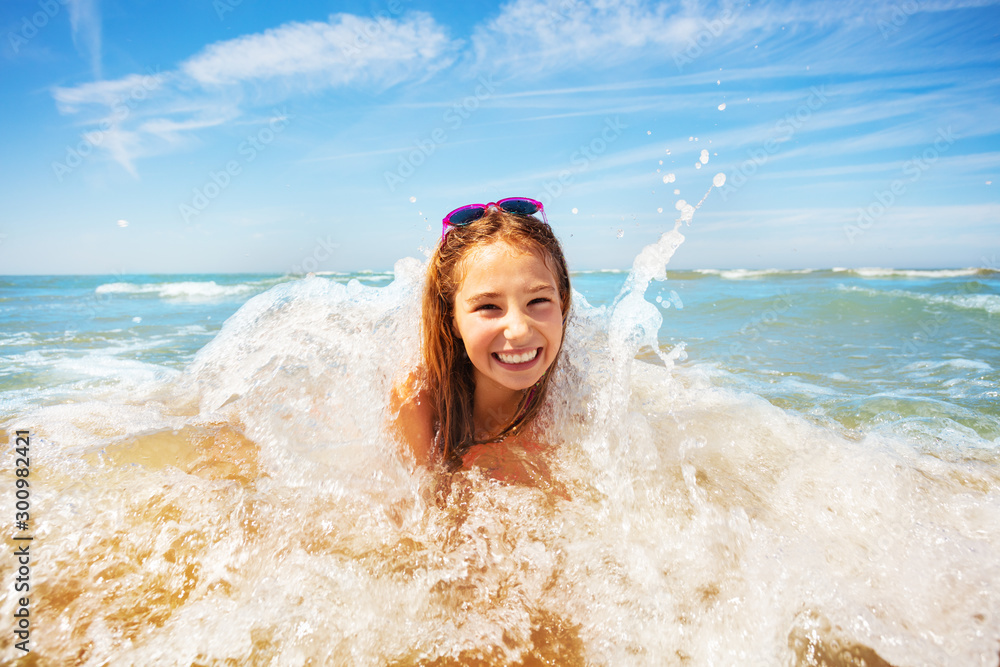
point(246, 136)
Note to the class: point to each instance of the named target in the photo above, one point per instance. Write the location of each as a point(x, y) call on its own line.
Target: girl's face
point(509, 316)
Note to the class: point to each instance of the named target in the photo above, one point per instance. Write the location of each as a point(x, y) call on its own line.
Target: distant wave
point(182, 290)
point(987, 302)
point(743, 274)
point(867, 272)
point(343, 277)
point(20, 338)
point(948, 363)
point(877, 272)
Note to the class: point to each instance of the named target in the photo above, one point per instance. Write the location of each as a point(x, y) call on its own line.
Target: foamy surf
point(177, 290)
point(252, 509)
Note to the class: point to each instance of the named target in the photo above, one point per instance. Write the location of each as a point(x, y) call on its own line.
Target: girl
point(494, 312)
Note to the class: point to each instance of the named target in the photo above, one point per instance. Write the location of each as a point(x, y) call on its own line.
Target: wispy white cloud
point(123, 146)
point(217, 85)
point(540, 37)
point(85, 21)
point(106, 93)
point(532, 36)
point(142, 115)
point(343, 50)
point(954, 166)
point(823, 237)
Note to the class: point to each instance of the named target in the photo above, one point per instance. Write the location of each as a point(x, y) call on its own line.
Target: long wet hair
point(449, 371)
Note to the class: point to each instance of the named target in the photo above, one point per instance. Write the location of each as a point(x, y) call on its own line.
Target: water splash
point(253, 510)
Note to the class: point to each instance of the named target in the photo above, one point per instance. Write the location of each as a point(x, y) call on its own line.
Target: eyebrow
point(487, 296)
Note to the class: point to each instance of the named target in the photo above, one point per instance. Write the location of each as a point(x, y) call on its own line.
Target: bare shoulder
point(412, 418)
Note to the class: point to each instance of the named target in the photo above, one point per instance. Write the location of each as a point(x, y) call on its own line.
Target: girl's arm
point(413, 419)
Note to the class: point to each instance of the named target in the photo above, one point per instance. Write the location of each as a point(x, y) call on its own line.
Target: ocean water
point(744, 468)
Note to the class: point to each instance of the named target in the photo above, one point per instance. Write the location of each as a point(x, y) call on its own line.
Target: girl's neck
point(493, 406)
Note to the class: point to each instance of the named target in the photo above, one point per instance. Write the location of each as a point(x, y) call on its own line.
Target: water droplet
point(704, 157)
point(722, 107)
point(123, 223)
point(137, 319)
point(575, 210)
point(621, 233)
point(413, 200)
point(680, 204)
point(719, 180)
point(659, 210)
point(669, 178)
point(677, 192)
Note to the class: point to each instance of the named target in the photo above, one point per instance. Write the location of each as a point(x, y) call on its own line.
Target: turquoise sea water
point(744, 467)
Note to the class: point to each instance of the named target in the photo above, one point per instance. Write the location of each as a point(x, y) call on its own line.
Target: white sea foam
point(989, 303)
point(912, 273)
point(965, 364)
point(188, 290)
point(743, 274)
point(19, 338)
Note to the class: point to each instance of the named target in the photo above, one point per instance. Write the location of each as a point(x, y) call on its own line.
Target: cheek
point(482, 339)
point(473, 337)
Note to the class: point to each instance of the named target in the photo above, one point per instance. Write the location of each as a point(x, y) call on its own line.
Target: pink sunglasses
point(467, 214)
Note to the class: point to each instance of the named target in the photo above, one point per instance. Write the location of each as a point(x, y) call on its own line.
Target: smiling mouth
point(517, 359)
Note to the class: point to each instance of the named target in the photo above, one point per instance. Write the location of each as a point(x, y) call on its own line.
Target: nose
point(517, 327)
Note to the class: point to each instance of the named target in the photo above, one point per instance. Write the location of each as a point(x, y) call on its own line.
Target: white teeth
point(517, 358)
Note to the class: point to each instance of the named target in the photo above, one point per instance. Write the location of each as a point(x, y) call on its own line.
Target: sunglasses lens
point(520, 206)
point(464, 216)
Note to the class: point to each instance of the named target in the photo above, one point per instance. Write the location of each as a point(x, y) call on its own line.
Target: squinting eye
point(485, 306)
